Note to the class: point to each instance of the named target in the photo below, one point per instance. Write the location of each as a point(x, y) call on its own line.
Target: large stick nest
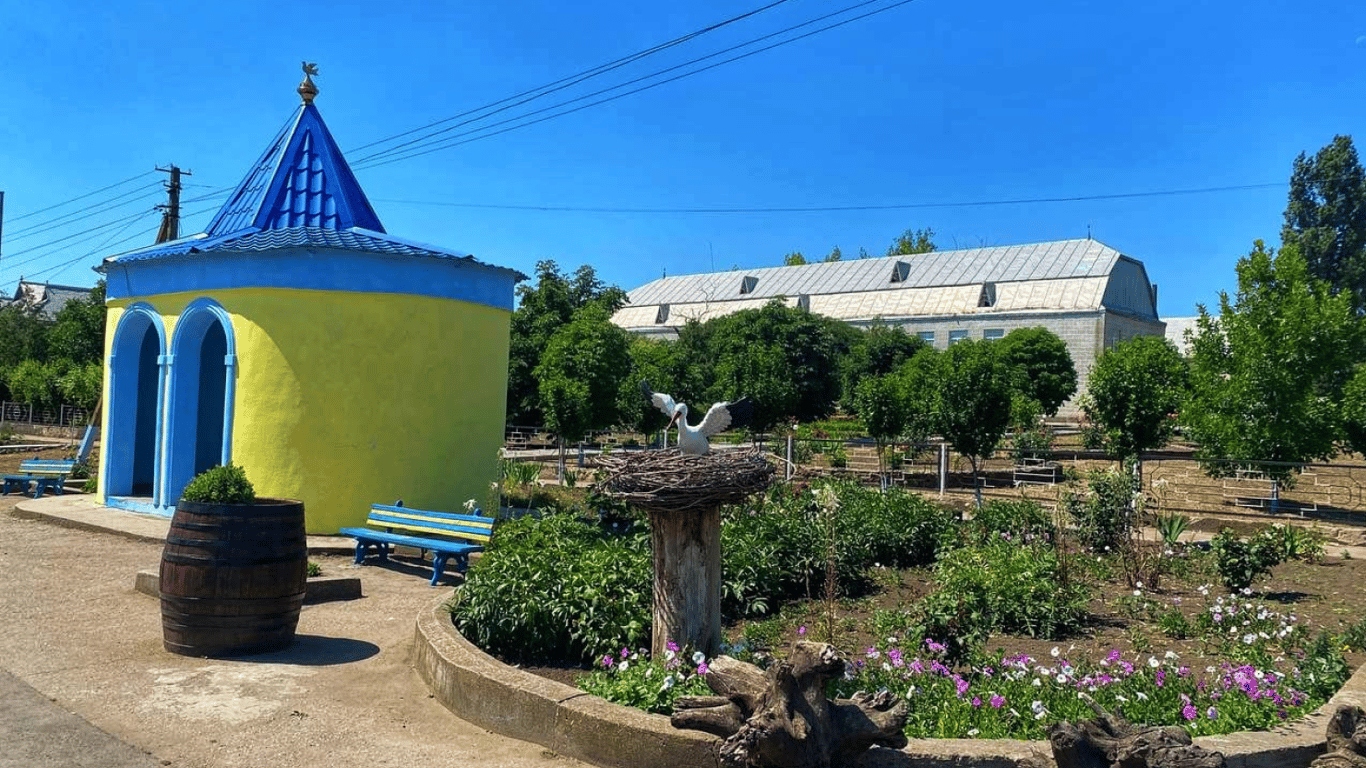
point(672, 481)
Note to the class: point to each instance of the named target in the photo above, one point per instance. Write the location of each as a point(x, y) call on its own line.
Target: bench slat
point(460, 535)
point(474, 532)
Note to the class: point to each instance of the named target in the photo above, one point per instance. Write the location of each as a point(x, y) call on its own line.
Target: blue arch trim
point(124, 364)
point(182, 394)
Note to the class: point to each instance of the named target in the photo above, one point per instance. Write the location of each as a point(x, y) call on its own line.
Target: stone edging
point(522, 705)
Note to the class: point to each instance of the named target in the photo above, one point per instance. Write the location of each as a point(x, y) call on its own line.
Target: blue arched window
point(199, 400)
point(131, 464)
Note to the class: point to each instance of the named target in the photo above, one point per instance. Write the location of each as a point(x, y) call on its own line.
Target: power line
point(82, 197)
point(34, 229)
point(385, 157)
point(837, 208)
point(107, 243)
point(96, 228)
point(564, 82)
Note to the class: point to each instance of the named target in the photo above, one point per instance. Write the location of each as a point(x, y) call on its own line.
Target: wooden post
point(687, 587)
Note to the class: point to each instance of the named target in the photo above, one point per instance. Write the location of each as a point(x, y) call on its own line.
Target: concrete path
point(85, 681)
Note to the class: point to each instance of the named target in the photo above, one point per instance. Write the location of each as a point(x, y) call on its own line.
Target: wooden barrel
point(233, 577)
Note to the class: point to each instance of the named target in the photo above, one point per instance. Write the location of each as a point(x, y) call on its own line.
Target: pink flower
point(703, 669)
point(997, 701)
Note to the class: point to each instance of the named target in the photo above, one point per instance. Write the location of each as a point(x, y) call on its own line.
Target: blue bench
point(44, 474)
point(446, 534)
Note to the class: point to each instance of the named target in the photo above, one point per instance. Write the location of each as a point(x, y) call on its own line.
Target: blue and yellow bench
point(446, 534)
point(44, 474)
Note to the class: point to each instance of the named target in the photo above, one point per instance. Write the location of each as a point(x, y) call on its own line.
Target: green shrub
point(1291, 542)
point(1171, 526)
point(1016, 589)
point(1242, 561)
point(1104, 511)
point(1022, 520)
point(633, 679)
point(314, 570)
point(838, 458)
point(557, 588)
point(895, 529)
point(223, 484)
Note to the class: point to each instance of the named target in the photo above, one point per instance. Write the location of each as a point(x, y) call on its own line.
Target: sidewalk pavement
point(85, 681)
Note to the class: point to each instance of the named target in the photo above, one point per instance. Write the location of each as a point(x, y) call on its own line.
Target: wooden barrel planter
point(233, 577)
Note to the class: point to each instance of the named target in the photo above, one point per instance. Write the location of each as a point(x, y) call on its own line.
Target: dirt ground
point(345, 695)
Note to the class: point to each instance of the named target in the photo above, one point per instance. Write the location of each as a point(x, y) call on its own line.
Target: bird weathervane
point(307, 90)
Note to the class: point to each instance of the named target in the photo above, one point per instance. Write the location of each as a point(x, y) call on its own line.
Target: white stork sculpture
point(719, 418)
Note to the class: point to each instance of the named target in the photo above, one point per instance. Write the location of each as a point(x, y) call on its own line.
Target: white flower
point(623, 666)
point(649, 671)
point(668, 683)
point(1153, 662)
point(1138, 593)
point(1249, 639)
point(1036, 683)
point(1170, 655)
point(469, 505)
point(1141, 696)
point(1121, 699)
point(1055, 651)
point(973, 731)
point(1062, 679)
point(698, 657)
point(1138, 584)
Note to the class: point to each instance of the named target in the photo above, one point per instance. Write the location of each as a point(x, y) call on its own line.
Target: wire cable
point(93, 251)
point(569, 81)
point(37, 229)
point(81, 197)
point(380, 158)
point(837, 208)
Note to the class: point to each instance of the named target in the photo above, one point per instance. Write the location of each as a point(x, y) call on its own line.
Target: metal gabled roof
point(1061, 259)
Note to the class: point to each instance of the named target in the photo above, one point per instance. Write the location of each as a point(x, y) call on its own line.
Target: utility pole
point(170, 213)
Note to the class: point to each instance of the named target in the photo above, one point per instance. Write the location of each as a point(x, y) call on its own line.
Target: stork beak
point(672, 421)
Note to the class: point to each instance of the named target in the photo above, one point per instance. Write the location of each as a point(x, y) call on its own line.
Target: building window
point(900, 271)
point(748, 284)
point(988, 296)
point(926, 336)
point(804, 302)
point(957, 336)
point(994, 333)
point(662, 315)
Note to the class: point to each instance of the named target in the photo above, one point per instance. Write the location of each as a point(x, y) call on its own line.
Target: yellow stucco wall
point(346, 399)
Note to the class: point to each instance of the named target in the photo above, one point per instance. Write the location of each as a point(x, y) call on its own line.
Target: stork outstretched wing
point(660, 400)
point(723, 416)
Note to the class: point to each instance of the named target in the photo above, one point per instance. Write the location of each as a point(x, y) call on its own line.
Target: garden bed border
point(516, 703)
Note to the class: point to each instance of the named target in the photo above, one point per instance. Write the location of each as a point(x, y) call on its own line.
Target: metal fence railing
point(1173, 480)
point(27, 413)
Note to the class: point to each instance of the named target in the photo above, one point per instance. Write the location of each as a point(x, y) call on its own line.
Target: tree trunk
point(782, 719)
point(687, 587)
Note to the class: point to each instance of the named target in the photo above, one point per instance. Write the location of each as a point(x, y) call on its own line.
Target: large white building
point(1086, 292)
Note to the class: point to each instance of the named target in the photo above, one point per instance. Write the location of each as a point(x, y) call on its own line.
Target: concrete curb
point(512, 702)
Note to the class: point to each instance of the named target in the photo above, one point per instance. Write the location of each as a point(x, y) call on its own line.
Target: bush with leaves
point(1021, 520)
point(557, 588)
point(1242, 561)
point(223, 484)
point(1103, 512)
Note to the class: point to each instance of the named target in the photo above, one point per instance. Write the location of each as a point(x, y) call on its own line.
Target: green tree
point(882, 402)
point(77, 333)
point(23, 336)
point(1268, 372)
point(974, 402)
point(783, 358)
point(794, 259)
point(655, 361)
point(581, 375)
point(1041, 367)
point(1325, 218)
point(1133, 395)
point(1354, 411)
point(877, 351)
point(834, 255)
point(542, 310)
point(35, 382)
point(913, 241)
point(80, 385)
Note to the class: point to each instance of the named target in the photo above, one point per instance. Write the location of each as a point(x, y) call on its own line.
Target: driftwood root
point(782, 719)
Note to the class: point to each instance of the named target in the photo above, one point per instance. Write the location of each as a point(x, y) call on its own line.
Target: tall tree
point(834, 255)
point(787, 360)
point(974, 402)
point(794, 259)
point(1325, 218)
point(1269, 371)
point(581, 375)
point(877, 351)
point(542, 310)
point(1133, 395)
point(1041, 367)
point(913, 241)
point(77, 333)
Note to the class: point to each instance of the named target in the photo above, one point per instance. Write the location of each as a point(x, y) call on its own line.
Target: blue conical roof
point(301, 180)
point(299, 194)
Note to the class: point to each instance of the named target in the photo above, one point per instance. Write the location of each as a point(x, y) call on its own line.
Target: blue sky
point(932, 102)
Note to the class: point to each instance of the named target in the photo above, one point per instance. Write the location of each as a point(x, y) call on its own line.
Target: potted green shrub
point(234, 569)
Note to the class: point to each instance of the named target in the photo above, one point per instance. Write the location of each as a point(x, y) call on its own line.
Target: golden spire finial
point(307, 89)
